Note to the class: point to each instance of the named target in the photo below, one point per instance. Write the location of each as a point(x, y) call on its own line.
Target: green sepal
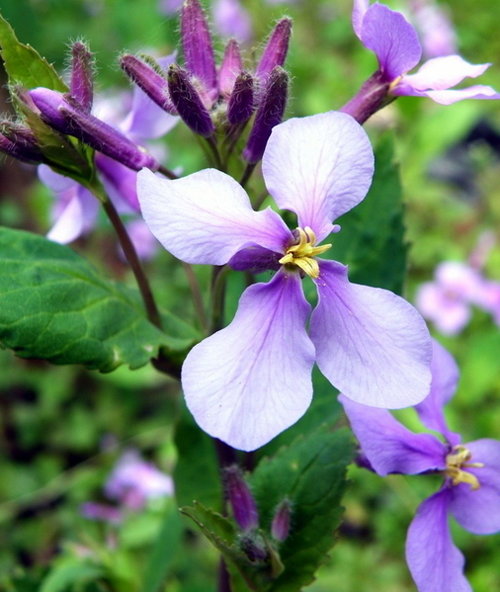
point(54, 305)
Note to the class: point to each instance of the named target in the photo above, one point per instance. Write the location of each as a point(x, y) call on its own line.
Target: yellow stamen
point(303, 252)
point(458, 459)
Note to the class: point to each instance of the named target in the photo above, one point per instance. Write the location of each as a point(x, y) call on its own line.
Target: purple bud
point(231, 67)
point(197, 45)
point(276, 49)
point(188, 102)
point(280, 527)
point(241, 500)
point(49, 103)
point(104, 138)
point(254, 549)
point(269, 113)
point(241, 102)
point(149, 80)
point(19, 142)
point(82, 84)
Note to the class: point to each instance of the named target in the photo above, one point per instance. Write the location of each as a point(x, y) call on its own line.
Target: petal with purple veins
point(207, 217)
point(445, 374)
point(393, 40)
point(478, 510)
point(318, 167)
point(252, 380)
point(388, 445)
point(435, 563)
point(371, 344)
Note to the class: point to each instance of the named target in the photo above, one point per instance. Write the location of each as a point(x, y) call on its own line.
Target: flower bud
point(276, 49)
point(49, 102)
point(197, 45)
point(280, 527)
point(254, 549)
point(149, 80)
point(269, 113)
point(231, 67)
point(19, 142)
point(82, 84)
point(241, 102)
point(241, 499)
point(188, 102)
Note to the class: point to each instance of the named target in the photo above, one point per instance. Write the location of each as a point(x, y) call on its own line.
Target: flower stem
point(196, 294)
point(134, 262)
point(167, 173)
point(247, 173)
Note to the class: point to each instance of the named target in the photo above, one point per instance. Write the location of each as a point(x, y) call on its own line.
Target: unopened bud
point(241, 499)
point(82, 84)
point(280, 527)
point(269, 113)
point(197, 45)
point(48, 102)
point(276, 49)
point(231, 67)
point(254, 549)
point(19, 142)
point(188, 102)
point(149, 80)
point(241, 102)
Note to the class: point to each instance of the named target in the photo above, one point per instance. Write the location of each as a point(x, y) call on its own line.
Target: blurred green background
point(61, 429)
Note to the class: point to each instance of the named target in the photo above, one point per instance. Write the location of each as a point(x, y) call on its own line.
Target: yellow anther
point(302, 253)
point(456, 461)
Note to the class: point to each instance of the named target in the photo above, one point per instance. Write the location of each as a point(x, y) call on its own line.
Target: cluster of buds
point(244, 509)
point(211, 99)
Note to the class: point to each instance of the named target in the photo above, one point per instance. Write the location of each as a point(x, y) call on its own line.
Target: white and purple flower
point(250, 381)
point(397, 47)
point(471, 487)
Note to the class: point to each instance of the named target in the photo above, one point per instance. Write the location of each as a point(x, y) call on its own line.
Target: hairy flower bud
point(276, 49)
point(82, 84)
point(149, 80)
point(241, 102)
point(188, 102)
point(19, 142)
point(241, 499)
point(280, 526)
point(197, 45)
point(231, 67)
point(49, 102)
point(269, 113)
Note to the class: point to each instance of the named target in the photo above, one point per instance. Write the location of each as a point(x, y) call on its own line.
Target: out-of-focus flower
point(471, 487)
point(251, 380)
point(397, 47)
point(131, 484)
point(447, 301)
point(437, 33)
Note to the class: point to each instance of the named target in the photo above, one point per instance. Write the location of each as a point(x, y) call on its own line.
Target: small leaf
point(371, 240)
point(69, 572)
point(54, 305)
point(24, 64)
point(311, 474)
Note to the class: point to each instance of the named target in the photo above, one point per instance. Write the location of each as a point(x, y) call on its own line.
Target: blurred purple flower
point(435, 27)
point(447, 300)
point(397, 47)
point(131, 484)
point(250, 381)
point(471, 487)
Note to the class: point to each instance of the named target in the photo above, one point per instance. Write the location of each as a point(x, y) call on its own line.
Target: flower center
point(458, 458)
point(302, 253)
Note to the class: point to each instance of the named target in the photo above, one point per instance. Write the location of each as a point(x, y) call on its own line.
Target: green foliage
point(54, 305)
point(372, 241)
point(24, 65)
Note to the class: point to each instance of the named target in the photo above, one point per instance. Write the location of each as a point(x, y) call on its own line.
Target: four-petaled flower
point(471, 487)
point(397, 47)
point(251, 380)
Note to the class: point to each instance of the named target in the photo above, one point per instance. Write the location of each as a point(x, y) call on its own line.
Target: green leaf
point(54, 305)
point(163, 552)
point(196, 457)
point(311, 474)
point(67, 573)
point(372, 241)
point(24, 64)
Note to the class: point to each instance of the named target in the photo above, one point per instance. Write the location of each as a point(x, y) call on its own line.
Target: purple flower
point(448, 299)
point(397, 47)
point(250, 381)
point(437, 32)
point(471, 487)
